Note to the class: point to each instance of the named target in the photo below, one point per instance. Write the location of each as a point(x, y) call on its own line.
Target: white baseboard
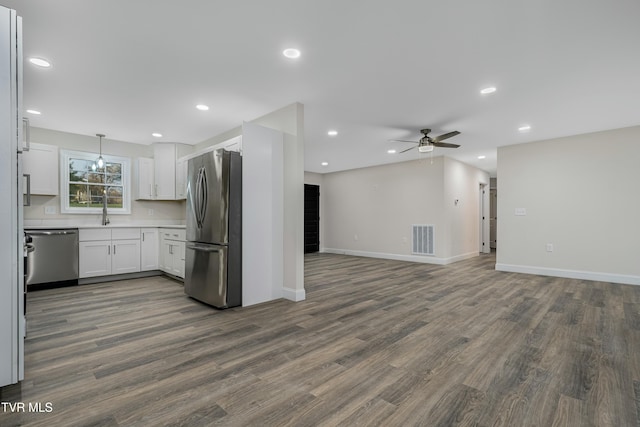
point(570, 274)
point(294, 294)
point(398, 257)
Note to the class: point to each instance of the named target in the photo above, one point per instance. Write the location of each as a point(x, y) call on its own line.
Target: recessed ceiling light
point(202, 107)
point(524, 128)
point(157, 135)
point(488, 90)
point(291, 53)
point(324, 164)
point(392, 151)
point(40, 62)
point(332, 133)
point(482, 157)
point(36, 112)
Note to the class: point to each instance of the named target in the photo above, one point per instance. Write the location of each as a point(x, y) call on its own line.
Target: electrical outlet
point(521, 211)
point(150, 212)
point(549, 247)
point(355, 237)
point(50, 210)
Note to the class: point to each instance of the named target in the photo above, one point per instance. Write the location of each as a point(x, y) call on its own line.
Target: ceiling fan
point(426, 143)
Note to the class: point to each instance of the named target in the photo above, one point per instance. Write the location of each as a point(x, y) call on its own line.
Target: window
point(84, 184)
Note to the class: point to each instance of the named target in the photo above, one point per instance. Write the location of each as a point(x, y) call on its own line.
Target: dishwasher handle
point(52, 233)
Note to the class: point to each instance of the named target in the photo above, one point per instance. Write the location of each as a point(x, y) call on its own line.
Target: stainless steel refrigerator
point(213, 259)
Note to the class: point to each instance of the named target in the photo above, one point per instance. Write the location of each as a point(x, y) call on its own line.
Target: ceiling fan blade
point(445, 145)
point(445, 136)
point(404, 151)
point(403, 140)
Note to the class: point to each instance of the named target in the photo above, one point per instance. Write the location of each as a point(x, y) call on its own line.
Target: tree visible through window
point(87, 186)
point(86, 183)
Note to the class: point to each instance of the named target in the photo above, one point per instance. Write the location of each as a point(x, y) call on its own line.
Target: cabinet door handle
point(114, 249)
point(150, 191)
point(109, 250)
point(28, 202)
point(171, 249)
point(143, 237)
point(156, 190)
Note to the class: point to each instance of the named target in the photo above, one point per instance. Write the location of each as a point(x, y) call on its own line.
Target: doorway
point(311, 218)
point(483, 240)
point(493, 213)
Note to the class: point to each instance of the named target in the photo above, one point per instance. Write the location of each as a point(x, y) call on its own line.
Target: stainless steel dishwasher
point(54, 257)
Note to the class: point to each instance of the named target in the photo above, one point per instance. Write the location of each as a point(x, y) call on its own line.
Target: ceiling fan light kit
point(427, 144)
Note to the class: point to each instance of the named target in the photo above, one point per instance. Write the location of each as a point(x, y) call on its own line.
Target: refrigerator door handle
point(196, 199)
point(204, 190)
point(202, 248)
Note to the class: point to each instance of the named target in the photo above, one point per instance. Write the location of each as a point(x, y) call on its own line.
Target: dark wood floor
point(376, 342)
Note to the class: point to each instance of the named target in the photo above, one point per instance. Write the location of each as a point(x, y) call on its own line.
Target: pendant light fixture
point(100, 162)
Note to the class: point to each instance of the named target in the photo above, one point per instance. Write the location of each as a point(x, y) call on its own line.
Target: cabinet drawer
point(125, 233)
point(173, 234)
point(93, 234)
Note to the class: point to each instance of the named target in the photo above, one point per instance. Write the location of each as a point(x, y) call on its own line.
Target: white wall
point(317, 179)
point(370, 211)
point(262, 214)
point(290, 121)
point(162, 210)
point(581, 195)
point(462, 220)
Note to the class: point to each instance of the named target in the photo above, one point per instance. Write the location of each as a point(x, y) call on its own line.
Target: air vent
point(423, 239)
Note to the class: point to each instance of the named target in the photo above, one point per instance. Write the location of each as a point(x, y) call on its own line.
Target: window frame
point(67, 155)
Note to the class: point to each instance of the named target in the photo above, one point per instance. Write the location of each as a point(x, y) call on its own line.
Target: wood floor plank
point(376, 342)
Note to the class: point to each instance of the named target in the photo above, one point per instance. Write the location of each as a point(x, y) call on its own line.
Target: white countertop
point(67, 224)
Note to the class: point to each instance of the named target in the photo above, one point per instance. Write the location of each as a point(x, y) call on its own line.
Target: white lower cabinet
point(104, 251)
point(95, 258)
point(172, 251)
point(149, 249)
point(107, 251)
point(126, 256)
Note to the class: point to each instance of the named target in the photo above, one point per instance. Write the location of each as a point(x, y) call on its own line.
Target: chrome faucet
point(105, 220)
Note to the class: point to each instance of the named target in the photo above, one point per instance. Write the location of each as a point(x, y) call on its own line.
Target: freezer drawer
point(206, 273)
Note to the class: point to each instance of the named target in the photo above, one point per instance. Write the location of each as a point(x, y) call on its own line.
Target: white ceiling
point(372, 70)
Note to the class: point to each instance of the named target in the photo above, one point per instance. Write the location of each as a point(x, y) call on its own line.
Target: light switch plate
point(521, 211)
point(50, 210)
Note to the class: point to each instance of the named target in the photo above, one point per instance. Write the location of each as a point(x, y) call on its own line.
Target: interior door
point(311, 218)
point(493, 217)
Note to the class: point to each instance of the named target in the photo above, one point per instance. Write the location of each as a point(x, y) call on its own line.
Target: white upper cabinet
point(182, 164)
point(181, 178)
point(41, 164)
point(164, 156)
point(163, 177)
point(145, 187)
point(233, 144)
